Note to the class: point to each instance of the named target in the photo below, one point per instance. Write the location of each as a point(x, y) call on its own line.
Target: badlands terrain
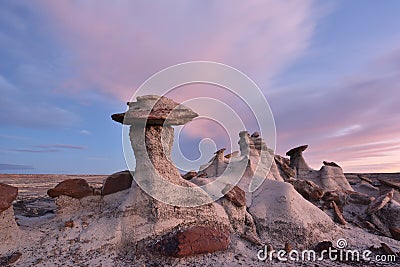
point(204, 219)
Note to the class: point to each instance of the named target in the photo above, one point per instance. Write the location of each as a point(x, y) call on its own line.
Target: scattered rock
point(10, 259)
point(117, 182)
point(309, 190)
point(364, 178)
point(389, 184)
point(395, 231)
point(69, 224)
point(189, 175)
point(386, 249)
point(8, 194)
point(359, 198)
point(380, 226)
point(235, 194)
point(338, 216)
point(380, 202)
point(324, 245)
point(75, 188)
point(332, 164)
point(288, 247)
point(194, 241)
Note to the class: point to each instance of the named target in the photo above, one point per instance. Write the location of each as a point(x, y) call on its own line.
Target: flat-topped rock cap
point(8, 194)
point(157, 110)
point(296, 150)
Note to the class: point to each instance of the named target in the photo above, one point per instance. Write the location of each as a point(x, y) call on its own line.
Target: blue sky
point(329, 69)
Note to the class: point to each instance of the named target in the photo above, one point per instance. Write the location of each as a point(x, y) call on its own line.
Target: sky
point(330, 71)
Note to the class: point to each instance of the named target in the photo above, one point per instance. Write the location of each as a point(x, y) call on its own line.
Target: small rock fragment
point(338, 216)
point(235, 194)
point(189, 175)
point(69, 224)
point(395, 231)
point(380, 202)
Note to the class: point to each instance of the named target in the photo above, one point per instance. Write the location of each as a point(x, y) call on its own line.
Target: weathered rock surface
point(280, 211)
point(155, 110)
point(309, 190)
point(189, 175)
point(236, 195)
point(7, 195)
point(380, 202)
point(75, 188)
point(195, 240)
point(117, 182)
point(332, 164)
point(395, 231)
point(9, 231)
point(297, 160)
point(150, 217)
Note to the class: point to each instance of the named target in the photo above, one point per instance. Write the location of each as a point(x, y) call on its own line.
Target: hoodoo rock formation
point(151, 135)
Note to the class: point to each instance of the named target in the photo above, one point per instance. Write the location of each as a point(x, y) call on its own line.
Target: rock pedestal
point(157, 181)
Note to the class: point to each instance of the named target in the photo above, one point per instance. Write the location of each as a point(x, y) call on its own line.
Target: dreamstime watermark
point(338, 253)
point(237, 84)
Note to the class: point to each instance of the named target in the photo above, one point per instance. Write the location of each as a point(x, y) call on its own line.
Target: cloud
point(117, 47)
point(50, 148)
point(65, 146)
point(35, 150)
point(8, 167)
point(85, 132)
point(30, 113)
point(353, 119)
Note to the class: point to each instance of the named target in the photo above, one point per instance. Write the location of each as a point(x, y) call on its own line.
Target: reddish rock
point(235, 194)
point(75, 188)
point(338, 216)
point(395, 231)
point(308, 189)
point(69, 224)
point(380, 202)
point(194, 241)
point(189, 175)
point(359, 198)
point(8, 194)
point(117, 182)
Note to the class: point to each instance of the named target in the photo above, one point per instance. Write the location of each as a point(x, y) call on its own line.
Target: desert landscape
point(141, 220)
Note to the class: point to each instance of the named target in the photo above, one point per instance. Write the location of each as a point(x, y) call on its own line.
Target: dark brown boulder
point(308, 189)
point(8, 194)
point(75, 188)
point(116, 182)
point(235, 194)
point(194, 241)
point(189, 175)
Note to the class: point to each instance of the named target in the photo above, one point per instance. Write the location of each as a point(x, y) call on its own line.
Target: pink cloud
point(115, 47)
